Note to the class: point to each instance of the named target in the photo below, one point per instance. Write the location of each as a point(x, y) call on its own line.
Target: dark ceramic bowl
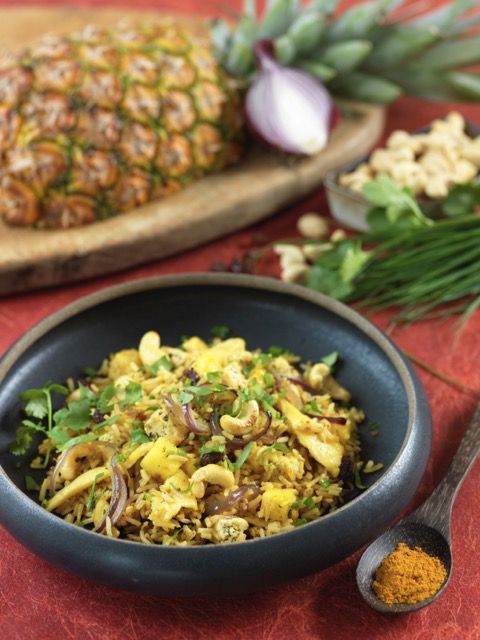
point(265, 312)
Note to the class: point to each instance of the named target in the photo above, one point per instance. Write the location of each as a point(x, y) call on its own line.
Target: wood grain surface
point(263, 183)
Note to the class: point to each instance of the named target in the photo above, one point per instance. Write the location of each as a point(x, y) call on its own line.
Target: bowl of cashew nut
point(429, 162)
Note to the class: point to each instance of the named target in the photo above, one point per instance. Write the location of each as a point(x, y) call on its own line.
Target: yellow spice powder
point(407, 576)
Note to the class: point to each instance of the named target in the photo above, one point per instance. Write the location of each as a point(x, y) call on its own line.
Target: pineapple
point(106, 120)
point(103, 121)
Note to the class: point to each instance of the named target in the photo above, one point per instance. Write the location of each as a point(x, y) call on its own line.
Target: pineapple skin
point(100, 122)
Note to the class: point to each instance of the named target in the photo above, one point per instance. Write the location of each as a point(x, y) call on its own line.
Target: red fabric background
point(38, 601)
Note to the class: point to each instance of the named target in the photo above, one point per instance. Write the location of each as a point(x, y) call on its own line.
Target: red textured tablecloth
point(40, 602)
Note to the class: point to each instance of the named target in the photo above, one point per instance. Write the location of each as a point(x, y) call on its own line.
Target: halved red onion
point(332, 419)
point(70, 451)
point(218, 503)
point(119, 497)
point(288, 108)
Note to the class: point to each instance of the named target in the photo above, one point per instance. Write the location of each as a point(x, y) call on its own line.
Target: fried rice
point(202, 443)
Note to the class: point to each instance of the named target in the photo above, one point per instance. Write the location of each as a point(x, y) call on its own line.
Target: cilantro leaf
point(91, 494)
point(184, 397)
point(23, 440)
point(69, 442)
point(31, 484)
point(133, 393)
point(220, 331)
point(329, 282)
point(105, 398)
point(331, 359)
point(75, 416)
point(161, 363)
point(138, 435)
point(218, 447)
point(276, 351)
point(37, 407)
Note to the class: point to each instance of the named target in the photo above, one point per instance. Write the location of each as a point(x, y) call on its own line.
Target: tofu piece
point(228, 529)
point(162, 461)
point(276, 504)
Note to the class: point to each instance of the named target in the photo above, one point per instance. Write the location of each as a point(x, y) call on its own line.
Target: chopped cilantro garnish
point(244, 455)
point(161, 363)
point(133, 393)
point(184, 397)
point(75, 416)
point(268, 379)
point(90, 372)
point(312, 407)
point(121, 457)
point(106, 422)
point(276, 351)
point(91, 494)
point(217, 447)
point(299, 522)
point(325, 482)
point(331, 359)
point(219, 331)
point(214, 377)
point(228, 464)
point(308, 502)
point(277, 446)
point(171, 538)
point(177, 452)
point(105, 398)
point(65, 444)
point(138, 435)
point(31, 484)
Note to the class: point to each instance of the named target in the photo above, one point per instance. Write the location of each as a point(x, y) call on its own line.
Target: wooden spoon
point(428, 527)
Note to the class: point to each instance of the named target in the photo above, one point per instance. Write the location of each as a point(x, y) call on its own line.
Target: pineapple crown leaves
point(368, 53)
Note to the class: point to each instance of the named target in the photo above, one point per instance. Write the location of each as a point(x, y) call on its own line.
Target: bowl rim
point(223, 280)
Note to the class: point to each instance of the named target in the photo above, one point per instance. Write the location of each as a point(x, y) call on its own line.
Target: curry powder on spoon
point(407, 576)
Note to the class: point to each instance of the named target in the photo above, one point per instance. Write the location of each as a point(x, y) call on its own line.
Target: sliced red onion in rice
point(70, 451)
point(118, 501)
point(303, 384)
point(332, 419)
point(219, 503)
point(190, 420)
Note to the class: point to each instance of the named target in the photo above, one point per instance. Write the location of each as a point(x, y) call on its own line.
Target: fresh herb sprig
point(405, 260)
point(66, 426)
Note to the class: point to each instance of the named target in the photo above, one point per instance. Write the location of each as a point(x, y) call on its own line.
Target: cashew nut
point(72, 461)
point(211, 474)
point(321, 379)
point(149, 348)
point(312, 225)
point(244, 422)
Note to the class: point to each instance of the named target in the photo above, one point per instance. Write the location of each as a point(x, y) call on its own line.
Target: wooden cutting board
point(263, 183)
